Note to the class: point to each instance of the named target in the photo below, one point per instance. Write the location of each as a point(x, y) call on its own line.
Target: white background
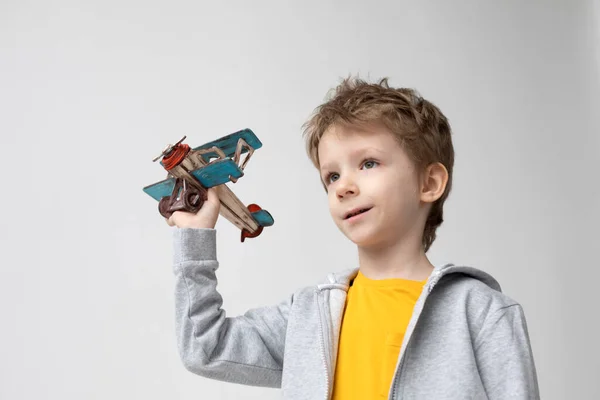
point(90, 92)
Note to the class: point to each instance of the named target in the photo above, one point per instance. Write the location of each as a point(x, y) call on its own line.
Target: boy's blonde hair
point(420, 127)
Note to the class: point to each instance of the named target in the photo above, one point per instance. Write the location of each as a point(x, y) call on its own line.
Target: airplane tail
point(262, 217)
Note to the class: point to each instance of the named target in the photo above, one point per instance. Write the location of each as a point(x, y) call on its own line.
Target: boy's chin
point(364, 239)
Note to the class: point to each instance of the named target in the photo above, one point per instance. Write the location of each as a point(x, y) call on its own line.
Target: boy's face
point(368, 169)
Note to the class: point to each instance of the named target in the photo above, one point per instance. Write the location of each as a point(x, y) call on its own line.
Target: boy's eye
point(328, 179)
point(370, 162)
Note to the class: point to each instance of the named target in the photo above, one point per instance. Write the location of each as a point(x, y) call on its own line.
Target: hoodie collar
point(342, 278)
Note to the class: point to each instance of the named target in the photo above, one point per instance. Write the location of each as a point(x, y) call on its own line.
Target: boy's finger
point(170, 221)
point(211, 193)
point(213, 196)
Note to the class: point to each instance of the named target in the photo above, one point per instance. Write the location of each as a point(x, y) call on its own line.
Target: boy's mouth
point(355, 212)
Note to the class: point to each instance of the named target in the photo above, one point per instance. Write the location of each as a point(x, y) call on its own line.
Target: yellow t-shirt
point(375, 319)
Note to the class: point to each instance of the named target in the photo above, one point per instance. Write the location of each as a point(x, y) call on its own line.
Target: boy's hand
point(206, 217)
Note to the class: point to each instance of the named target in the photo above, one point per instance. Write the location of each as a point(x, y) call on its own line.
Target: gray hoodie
point(465, 340)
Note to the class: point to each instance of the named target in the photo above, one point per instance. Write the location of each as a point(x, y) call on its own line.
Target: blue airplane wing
point(213, 174)
point(229, 143)
point(217, 172)
point(160, 189)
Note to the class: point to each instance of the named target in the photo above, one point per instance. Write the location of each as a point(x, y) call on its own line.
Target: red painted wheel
point(247, 234)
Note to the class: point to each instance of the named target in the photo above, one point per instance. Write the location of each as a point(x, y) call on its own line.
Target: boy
point(396, 327)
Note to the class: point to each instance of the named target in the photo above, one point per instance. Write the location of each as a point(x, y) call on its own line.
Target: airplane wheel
point(247, 234)
point(164, 207)
point(192, 200)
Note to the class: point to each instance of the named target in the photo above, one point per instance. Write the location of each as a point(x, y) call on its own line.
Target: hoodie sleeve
point(246, 349)
point(504, 356)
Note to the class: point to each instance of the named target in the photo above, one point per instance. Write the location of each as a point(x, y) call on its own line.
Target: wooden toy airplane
point(192, 171)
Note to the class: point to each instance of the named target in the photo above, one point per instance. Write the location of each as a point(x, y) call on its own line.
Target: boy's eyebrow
point(353, 154)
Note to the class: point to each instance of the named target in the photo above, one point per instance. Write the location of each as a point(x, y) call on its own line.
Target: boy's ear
point(433, 182)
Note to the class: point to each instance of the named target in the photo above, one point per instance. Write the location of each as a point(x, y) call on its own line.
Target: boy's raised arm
point(246, 349)
point(504, 356)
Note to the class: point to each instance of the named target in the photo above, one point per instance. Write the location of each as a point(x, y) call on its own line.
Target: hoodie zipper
point(326, 328)
point(434, 281)
point(323, 349)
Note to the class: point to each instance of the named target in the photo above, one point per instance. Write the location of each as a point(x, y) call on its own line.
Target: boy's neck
point(401, 260)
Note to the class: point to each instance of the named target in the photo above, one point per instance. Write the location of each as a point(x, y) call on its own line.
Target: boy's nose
point(346, 188)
